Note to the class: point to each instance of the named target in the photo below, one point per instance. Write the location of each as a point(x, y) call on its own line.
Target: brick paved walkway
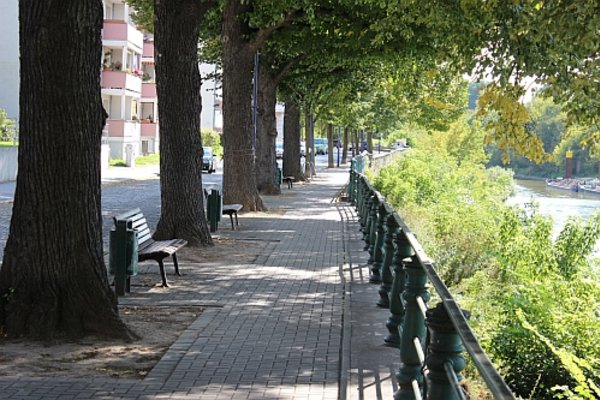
point(298, 323)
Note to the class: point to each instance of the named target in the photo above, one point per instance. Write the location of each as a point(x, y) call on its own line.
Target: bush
point(212, 139)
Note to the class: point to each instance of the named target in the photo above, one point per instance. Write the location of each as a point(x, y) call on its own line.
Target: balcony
point(118, 31)
point(149, 90)
point(122, 128)
point(121, 80)
point(149, 129)
point(148, 53)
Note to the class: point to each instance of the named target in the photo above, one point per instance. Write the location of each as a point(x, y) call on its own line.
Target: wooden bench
point(289, 180)
point(150, 249)
point(231, 210)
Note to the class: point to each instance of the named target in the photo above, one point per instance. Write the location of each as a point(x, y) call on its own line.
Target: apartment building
point(9, 58)
point(128, 85)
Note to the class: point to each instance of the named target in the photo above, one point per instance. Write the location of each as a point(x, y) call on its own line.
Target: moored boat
point(592, 187)
point(563, 184)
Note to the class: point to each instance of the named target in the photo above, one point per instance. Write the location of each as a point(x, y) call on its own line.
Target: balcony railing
point(121, 31)
point(401, 267)
point(148, 53)
point(149, 129)
point(121, 80)
point(149, 90)
point(123, 128)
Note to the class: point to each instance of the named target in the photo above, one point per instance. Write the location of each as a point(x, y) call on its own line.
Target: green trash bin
point(116, 263)
point(123, 255)
point(213, 209)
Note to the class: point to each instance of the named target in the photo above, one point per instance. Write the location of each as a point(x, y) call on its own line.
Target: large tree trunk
point(345, 146)
point(53, 280)
point(309, 133)
point(178, 86)
point(330, 154)
point(291, 142)
point(239, 178)
point(266, 162)
point(370, 142)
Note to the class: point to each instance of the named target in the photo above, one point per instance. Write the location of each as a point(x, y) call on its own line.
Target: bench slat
point(162, 247)
point(232, 207)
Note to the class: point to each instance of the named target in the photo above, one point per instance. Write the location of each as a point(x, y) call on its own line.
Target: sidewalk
point(300, 322)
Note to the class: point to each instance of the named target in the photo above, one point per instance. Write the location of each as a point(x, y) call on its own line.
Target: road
point(123, 189)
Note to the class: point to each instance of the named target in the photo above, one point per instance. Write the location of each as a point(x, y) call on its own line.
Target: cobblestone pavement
point(298, 323)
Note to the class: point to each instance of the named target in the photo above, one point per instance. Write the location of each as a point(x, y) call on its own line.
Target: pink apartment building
point(128, 85)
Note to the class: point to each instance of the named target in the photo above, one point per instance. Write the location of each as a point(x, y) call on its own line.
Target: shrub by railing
point(431, 341)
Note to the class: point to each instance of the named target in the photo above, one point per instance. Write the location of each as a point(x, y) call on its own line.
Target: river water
point(557, 203)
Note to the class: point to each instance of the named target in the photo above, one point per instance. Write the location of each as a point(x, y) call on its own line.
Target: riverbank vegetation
point(535, 300)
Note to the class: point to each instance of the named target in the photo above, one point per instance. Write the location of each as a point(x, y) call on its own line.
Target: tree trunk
point(370, 142)
point(291, 142)
point(310, 146)
point(345, 146)
point(356, 147)
point(53, 280)
point(178, 87)
point(330, 154)
point(266, 162)
point(239, 178)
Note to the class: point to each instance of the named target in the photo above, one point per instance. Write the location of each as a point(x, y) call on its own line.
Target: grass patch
point(151, 159)
point(116, 162)
point(8, 144)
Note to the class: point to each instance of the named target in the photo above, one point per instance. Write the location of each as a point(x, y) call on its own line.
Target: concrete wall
point(379, 160)
point(8, 163)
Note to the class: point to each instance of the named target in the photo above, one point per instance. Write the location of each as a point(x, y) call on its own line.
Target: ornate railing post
point(373, 227)
point(362, 200)
point(366, 230)
point(387, 278)
point(359, 197)
point(364, 205)
point(378, 250)
point(444, 355)
point(351, 183)
point(356, 185)
point(402, 250)
point(412, 327)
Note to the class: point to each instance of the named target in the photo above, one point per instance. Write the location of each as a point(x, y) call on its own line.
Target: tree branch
point(264, 33)
point(287, 67)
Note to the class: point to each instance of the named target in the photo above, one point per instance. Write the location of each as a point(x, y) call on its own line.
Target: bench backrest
point(138, 222)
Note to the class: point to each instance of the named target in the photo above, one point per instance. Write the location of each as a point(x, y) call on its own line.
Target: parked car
point(279, 150)
point(321, 145)
point(208, 160)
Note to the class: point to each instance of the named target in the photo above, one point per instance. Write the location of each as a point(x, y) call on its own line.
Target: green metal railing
point(431, 341)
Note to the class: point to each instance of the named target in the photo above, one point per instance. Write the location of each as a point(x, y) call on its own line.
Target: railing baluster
point(351, 183)
point(367, 218)
point(402, 250)
point(372, 226)
point(379, 233)
point(445, 350)
point(391, 229)
point(412, 327)
point(361, 188)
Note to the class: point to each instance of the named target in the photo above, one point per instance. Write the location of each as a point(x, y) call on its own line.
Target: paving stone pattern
point(300, 322)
